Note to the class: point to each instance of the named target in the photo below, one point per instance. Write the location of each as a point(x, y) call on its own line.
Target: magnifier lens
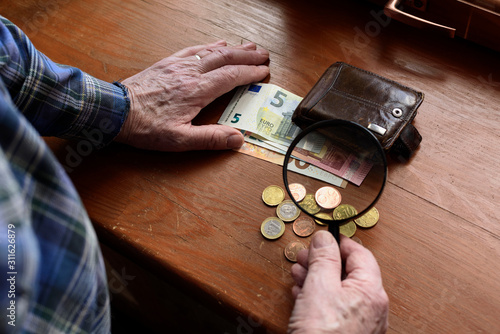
point(336, 171)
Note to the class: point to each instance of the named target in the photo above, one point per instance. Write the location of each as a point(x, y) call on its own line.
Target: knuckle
point(323, 257)
point(225, 54)
point(215, 140)
point(232, 72)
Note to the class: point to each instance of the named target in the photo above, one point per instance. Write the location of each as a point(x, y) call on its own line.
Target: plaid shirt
point(52, 276)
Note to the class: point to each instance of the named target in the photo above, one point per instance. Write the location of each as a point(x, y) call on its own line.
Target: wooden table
point(191, 220)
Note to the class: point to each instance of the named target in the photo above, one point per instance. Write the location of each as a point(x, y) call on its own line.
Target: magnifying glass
point(335, 171)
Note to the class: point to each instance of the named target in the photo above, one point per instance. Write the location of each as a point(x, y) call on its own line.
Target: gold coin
point(272, 228)
point(309, 204)
point(369, 219)
point(292, 249)
point(287, 211)
point(323, 215)
point(303, 226)
point(344, 211)
point(273, 195)
point(348, 229)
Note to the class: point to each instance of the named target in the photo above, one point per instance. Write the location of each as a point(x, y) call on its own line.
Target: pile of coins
point(287, 212)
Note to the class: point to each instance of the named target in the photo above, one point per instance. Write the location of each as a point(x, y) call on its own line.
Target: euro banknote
point(265, 110)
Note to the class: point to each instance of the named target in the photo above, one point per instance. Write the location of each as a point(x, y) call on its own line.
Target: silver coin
point(272, 228)
point(287, 211)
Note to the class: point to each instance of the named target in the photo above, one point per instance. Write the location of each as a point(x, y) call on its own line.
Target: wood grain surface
point(194, 218)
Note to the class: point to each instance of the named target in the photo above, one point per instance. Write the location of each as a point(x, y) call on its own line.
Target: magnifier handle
point(335, 230)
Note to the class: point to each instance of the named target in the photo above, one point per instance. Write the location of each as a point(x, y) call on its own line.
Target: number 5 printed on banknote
point(263, 109)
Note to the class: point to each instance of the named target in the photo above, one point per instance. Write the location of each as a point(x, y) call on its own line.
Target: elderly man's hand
point(168, 95)
point(326, 304)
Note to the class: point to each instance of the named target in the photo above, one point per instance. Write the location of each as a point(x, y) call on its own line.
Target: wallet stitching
point(329, 88)
point(383, 78)
point(367, 102)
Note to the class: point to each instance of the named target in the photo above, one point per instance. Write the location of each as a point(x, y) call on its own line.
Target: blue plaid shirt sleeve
point(52, 275)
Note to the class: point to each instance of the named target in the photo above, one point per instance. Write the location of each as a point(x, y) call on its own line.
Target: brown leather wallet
point(385, 107)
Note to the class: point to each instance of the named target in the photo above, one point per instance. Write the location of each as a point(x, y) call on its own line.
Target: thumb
point(324, 257)
point(214, 137)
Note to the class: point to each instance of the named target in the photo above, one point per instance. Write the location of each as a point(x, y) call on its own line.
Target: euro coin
point(298, 191)
point(287, 211)
point(323, 215)
point(348, 229)
point(328, 197)
point(369, 219)
point(272, 228)
point(344, 211)
point(292, 249)
point(309, 204)
point(273, 195)
point(303, 226)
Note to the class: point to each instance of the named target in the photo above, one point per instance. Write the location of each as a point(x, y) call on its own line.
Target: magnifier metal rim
point(326, 123)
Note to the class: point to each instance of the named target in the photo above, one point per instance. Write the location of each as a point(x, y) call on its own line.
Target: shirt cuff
point(108, 107)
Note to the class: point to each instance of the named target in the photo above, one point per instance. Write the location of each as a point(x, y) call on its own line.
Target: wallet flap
point(349, 93)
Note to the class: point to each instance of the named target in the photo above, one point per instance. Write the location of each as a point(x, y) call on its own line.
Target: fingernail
point(322, 239)
point(234, 141)
point(263, 52)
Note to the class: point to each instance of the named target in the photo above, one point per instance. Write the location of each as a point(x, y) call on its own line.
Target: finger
point(221, 81)
point(250, 46)
point(296, 290)
point(212, 137)
point(192, 50)
point(303, 257)
point(232, 56)
point(299, 274)
point(360, 264)
point(324, 259)
point(247, 46)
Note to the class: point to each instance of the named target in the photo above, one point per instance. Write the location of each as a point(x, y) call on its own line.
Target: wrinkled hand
point(324, 303)
point(168, 95)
